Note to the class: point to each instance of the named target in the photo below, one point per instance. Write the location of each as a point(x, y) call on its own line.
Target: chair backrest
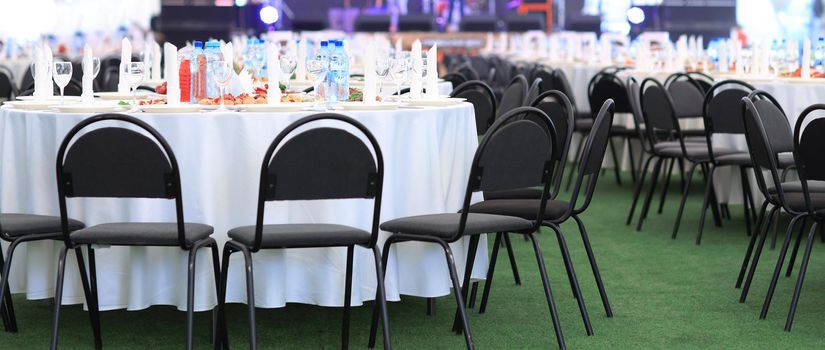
point(455, 77)
point(117, 162)
point(659, 114)
point(768, 134)
point(321, 163)
point(483, 99)
point(546, 76)
point(535, 89)
point(722, 108)
point(607, 86)
point(516, 152)
point(561, 83)
point(7, 88)
point(590, 163)
point(468, 72)
point(27, 80)
point(809, 141)
point(633, 95)
point(514, 96)
point(562, 113)
point(687, 95)
point(703, 80)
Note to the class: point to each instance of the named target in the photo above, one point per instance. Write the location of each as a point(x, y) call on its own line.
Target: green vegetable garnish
point(356, 96)
point(123, 103)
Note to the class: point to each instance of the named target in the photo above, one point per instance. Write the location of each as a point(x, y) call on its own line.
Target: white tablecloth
point(427, 155)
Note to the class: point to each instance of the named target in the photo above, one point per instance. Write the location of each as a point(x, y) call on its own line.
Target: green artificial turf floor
point(666, 294)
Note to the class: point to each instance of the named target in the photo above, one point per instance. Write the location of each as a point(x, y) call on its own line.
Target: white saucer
point(181, 108)
point(31, 105)
point(375, 106)
point(83, 108)
point(281, 107)
point(123, 96)
point(434, 102)
point(50, 98)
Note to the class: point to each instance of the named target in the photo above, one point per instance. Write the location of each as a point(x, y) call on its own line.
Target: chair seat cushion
point(694, 153)
point(796, 201)
point(740, 158)
point(694, 132)
point(141, 234)
point(583, 124)
point(675, 144)
point(446, 225)
point(16, 225)
point(785, 160)
point(796, 186)
point(521, 193)
point(301, 235)
point(523, 208)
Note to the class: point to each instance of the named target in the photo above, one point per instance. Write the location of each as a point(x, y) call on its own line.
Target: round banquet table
point(427, 156)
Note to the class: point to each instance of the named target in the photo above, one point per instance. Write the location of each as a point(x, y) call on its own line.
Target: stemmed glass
point(288, 65)
point(258, 60)
point(95, 66)
point(222, 73)
point(62, 76)
point(318, 70)
point(382, 69)
point(422, 71)
point(398, 72)
point(777, 58)
point(133, 74)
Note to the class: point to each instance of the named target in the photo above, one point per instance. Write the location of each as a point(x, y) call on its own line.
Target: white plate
point(434, 102)
point(152, 83)
point(181, 108)
point(83, 108)
point(31, 105)
point(281, 107)
point(803, 81)
point(123, 96)
point(51, 98)
point(361, 106)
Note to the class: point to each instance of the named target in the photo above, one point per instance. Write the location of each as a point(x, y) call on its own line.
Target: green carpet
point(666, 294)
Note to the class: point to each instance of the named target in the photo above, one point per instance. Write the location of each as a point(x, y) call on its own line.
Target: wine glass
point(398, 72)
point(222, 74)
point(421, 71)
point(133, 74)
point(777, 58)
point(62, 76)
point(318, 69)
point(95, 66)
point(288, 65)
point(382, 69)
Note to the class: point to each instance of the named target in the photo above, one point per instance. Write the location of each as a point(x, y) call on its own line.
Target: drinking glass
point(133, 74)
point(398, 73)
point(222, 73)
point(318, 69)
point(95, 66)
point(62, 76)
point(420, 72)
point(777, 58)
point(288, 65)
point(382, 69)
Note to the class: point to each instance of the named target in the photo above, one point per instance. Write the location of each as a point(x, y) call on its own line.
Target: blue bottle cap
point(197, 44)
point(212, 44)
point(339, 43)
point(324, 43)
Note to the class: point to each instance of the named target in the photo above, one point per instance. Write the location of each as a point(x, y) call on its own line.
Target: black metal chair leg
point(190, 296)
point(685, 191)
point(431, 306)
point(58, 295)
point(512, 257)
point(638, 190)
point(745, 195)
point(554, 316)
point(802, 269)
point(385, 255)
point(222, 328)
point(347, 300)
point(216, 337)
point(90, 300)
point(574, 282)
point(593, 266)
point(459, 300)
point(646, 206)
point(632, 160)
point(714, 202)
point(756, 254)
point(776, 229)
point(381, 300)
point(488, 282)
point(468, 272)
point(616, 170)
point(795, 250)
point(6, 304)
point(665, 186)
point(709, 195)
point(751, 243)
point(779, 263)
point(250, 297)
point(473, 292)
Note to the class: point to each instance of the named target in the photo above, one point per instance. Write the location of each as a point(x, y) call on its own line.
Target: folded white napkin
point(48, 69)
point(370, 78)
point(273, 70)
point(39, 63)
point(246, 81)
point(432, 72)
point(805, 71)
point(156, 71)
point(88, 75)
point(723, 57)
point(125, 59)
point(415, 80)
point(170, 54)
point(228, 52)
point(606, 52)
point(301, 68)
point(765, 59)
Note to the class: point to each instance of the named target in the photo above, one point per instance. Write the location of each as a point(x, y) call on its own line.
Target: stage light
point(269, 14)
point(240, 3)
point(635, 15)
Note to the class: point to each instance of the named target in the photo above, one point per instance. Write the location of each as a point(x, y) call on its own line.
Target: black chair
point(534, 90)
point(703, 80)
point(602, 87)
point(515, 153)
point(416, 23)
point(92, 165)
point(372, 23)
point(478, 23)
point(514, 96)
point(484, 102)
point(558, 211)
point(661, 118)
point(455, 78)
point(27, 80)
point(8, 89)
point(688, 96)
point(468, 71)
point(546, 76)
point(763, 115)
point(319, 163)
point(17, 229)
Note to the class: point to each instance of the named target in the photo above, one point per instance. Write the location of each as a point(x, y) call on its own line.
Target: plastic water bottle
point(342, 79)
point(323, 56)
point(819, 56)
point(249, 55)
point(197, 73)
point(213, 54)
point(336, 69)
